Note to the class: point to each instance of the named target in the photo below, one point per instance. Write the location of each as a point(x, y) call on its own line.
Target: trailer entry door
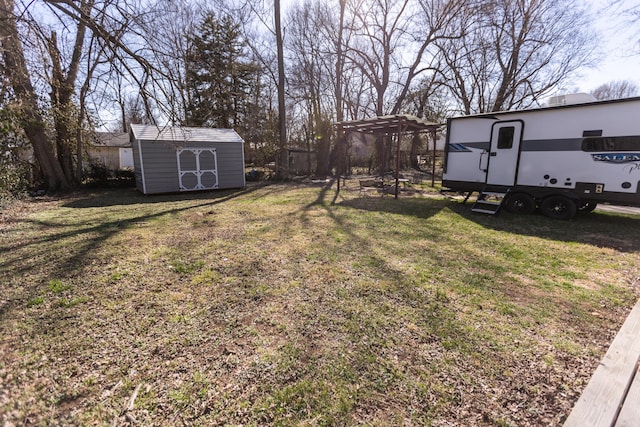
point(504, 153)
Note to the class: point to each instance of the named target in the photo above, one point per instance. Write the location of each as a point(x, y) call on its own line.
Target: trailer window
point(611, 143)
point(505, 137)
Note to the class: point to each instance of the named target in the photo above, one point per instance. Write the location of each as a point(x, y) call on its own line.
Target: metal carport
point(397, 125)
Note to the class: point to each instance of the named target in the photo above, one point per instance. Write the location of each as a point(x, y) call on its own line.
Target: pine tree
point(220, 76)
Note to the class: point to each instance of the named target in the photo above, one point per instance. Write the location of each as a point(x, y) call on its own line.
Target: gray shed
point(173, 159)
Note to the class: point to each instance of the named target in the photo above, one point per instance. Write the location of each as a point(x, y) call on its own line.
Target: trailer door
point(505, 153)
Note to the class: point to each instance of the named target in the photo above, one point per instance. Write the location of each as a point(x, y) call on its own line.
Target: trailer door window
point(611, 143)
point(505, 137)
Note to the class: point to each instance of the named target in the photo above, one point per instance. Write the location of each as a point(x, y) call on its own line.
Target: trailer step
point(486, 211)
point(489, 202)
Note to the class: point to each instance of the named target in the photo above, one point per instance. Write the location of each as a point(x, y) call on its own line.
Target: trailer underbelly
point(583, 191)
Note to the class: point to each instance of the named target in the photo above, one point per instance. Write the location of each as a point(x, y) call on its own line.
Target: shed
point(174, 159)
point(111, 149)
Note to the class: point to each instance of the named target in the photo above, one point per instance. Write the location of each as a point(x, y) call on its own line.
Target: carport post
point(398, 138)
point(433, 160)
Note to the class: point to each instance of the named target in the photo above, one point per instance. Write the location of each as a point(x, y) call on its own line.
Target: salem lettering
point(616, 157)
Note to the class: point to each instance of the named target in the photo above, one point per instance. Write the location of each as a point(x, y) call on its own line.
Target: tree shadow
point(620, 232)
point(439, 318)
point(92, 235)
point(612, 230)
point(132, 196)
point(416, 207)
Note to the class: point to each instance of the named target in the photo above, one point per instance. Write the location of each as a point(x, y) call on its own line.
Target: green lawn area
point(274, 306)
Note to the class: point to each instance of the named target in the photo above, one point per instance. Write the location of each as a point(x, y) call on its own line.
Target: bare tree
point(341, 140)
point(629, 12)
point(429, 101)
point(63, 85)
point(262, 32)
point(514, 53)
point(75, 19)
point(25, 94)
point(393, 37)
point(311, 53)
point(317, 42)
point(283, 160)
point(615, 90)
point(167, 33)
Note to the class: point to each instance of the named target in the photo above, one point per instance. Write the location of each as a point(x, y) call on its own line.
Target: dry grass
point(273, 306)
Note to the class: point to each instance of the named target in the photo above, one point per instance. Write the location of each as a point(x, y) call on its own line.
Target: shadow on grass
point(419, 208)
point(603, 229)
point(436, 317)
point(90, 236)
point(133, 197)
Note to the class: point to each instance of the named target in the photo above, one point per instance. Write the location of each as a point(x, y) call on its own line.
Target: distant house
point(112, 150)
point(173, 159)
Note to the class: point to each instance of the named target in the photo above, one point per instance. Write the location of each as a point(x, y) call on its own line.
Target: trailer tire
point(586, 207)
point(520, 203)
point(558, 207)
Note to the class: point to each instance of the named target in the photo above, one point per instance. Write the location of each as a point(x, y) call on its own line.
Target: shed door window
point(197, 168)
point(505, 137)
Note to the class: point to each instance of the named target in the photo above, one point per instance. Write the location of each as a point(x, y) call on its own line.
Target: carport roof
point(390, 124)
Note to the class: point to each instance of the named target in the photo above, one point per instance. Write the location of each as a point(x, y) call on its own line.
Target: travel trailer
point(560, 159)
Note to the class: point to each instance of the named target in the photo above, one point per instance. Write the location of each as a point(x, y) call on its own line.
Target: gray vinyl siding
point(159, 156)
point(230, 162)
point(136, 164)
point(160, 167)
point(230, 165)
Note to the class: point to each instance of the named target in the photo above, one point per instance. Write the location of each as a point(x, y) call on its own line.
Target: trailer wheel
point(520, 203)
point(586, 207)
point(558, 207)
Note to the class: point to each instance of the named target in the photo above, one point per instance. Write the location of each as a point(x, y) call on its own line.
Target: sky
point(621, 59)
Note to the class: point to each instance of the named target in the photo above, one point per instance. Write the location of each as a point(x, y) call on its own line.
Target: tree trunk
point(32, 121)
point(379, 157)
point(61, 105)
point(416, 142)
point(323, 146)
point(341, 140)
point(282, 164)
point(62, 89)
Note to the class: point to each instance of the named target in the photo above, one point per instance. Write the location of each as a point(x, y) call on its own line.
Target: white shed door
point(197, 169)
point(126, 158)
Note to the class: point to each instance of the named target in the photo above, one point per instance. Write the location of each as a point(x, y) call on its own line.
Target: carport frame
point(397, 125)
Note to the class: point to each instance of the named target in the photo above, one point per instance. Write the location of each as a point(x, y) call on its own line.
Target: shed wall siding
point(230, 161)
point(136, 165)
point(230, 165)
point(161, 165)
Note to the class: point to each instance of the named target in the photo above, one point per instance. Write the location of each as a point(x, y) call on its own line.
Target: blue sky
point(620, 42)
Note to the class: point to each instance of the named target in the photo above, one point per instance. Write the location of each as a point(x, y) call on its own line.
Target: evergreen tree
point(221, 78)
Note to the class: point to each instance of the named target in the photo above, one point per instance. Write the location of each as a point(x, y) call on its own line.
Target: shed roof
point(389, 124)
point(178, 133)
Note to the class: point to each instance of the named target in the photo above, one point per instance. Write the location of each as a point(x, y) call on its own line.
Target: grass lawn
point(273, 306)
